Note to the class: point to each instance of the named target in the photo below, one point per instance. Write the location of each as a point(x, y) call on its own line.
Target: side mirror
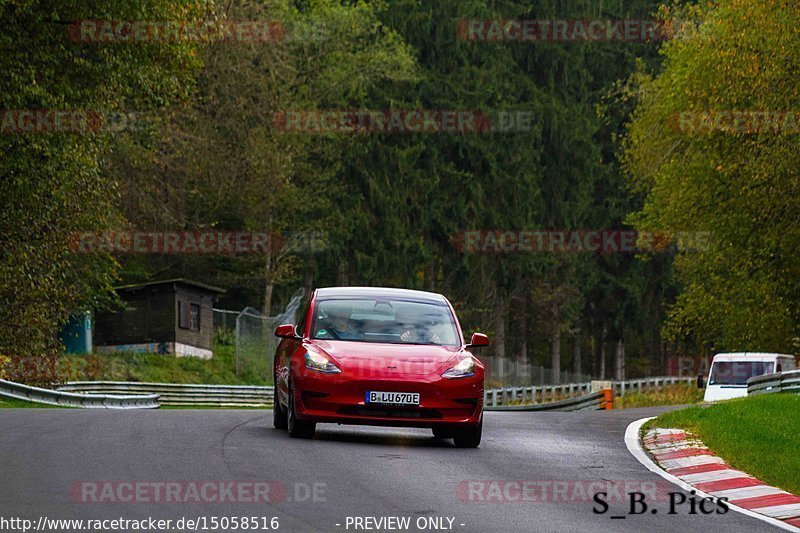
point(701, 383)
point(286, 331)
point(478, 340)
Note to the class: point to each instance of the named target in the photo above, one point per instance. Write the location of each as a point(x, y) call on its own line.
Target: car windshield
point(737, 372)
point(384, 320)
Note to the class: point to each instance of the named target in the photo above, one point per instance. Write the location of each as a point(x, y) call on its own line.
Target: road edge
point(635, 448)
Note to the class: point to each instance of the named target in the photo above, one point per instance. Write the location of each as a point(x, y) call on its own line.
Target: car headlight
point(320, 363)
point(464, 369)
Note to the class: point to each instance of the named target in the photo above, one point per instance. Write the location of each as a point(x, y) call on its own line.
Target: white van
point(729, 372)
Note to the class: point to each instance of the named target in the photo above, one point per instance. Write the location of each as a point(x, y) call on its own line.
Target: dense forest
point(188, 131)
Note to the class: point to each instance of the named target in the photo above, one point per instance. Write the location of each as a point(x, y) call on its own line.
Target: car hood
point(399, 359)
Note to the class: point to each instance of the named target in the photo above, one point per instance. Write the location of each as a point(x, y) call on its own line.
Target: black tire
point(279, 420)
point(298, 429)
point(442, 433)
point(468, 437)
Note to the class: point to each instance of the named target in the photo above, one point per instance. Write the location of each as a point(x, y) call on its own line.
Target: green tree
point(739, 183)
point(54, 184)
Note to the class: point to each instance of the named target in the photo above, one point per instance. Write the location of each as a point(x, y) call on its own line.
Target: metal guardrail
point(532, 394)
point(183, 394)
point(554, 397)
point(594, 400)
point(18, 391)
point(552, 393)
point(650, 384)
point(779, 382)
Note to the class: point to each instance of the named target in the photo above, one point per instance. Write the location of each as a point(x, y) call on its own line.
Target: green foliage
point(221, 163)
point(740, 186)
point(55, 184)
point(390, 205)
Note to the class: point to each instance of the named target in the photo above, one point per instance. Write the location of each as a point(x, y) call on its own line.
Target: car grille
point(389, 412)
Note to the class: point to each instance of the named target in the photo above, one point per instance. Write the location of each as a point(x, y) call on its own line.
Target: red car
point(387, 357)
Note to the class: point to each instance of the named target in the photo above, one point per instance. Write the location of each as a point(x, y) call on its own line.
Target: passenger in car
point(412, 331)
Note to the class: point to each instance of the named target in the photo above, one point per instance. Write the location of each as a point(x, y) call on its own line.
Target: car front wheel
point(469, 437)
point(442, 433)
point(298, 429)
point(279, 420)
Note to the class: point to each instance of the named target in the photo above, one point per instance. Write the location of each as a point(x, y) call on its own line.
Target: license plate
point(392, 398)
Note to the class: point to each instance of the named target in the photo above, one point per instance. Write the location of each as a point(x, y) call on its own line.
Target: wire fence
point(512, 372)
point(251, 335)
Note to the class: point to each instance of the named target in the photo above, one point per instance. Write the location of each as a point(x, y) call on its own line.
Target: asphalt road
point(48, 458)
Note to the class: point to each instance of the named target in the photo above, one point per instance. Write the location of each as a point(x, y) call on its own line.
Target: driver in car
point(340, 326)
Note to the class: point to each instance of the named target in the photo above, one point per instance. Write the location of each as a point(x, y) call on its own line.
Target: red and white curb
point(685, 462)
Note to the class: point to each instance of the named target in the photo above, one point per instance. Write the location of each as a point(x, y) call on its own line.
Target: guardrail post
point(608, 398)
point(494, 398)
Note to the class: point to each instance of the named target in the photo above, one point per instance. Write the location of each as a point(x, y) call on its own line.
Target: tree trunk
point(603, 354)
point(266, 305)
point(576, 355)
point(309, 281)
point(341, 274)
point(555, 345)
point(620, 366)
point(523, 369)
point(500, 339)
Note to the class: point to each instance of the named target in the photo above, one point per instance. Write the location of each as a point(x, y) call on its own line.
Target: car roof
point(749, 356)
point(379, 292)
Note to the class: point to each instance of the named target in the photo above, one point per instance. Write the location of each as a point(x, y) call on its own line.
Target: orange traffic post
point(608, 398)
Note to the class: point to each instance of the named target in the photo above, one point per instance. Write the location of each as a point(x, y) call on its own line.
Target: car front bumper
point(341, 399)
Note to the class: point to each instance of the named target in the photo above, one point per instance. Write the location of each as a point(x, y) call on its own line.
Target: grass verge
point(11, 403)
point(219, 370)
point(678, 394)
point(759, 435)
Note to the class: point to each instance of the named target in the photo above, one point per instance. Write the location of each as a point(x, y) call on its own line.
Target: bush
point(3, 362)
point(34, 370)
point(224, 337)
point(678, 394)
